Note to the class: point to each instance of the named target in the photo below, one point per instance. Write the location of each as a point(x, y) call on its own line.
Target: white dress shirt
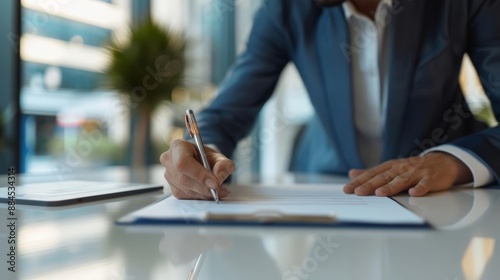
point(369, 57)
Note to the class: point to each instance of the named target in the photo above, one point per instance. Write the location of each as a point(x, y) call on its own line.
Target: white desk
point(82, 241)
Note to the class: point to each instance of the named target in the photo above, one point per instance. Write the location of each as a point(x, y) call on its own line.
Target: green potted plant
point(145, 69)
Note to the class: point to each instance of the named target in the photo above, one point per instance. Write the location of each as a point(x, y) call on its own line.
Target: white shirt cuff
point(480, 173)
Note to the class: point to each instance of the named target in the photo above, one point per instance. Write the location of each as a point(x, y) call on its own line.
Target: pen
point(192, 128)
point(195, 272)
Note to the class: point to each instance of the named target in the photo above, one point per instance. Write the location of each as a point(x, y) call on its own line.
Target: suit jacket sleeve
point(250, 82)
point(484, 50)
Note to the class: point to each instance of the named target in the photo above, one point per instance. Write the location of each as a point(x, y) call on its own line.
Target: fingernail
point(211, 183)
point(348, 187)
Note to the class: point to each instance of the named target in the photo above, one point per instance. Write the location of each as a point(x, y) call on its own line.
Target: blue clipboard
point(261, 218)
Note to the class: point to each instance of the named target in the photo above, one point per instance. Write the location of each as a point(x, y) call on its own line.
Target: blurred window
point(69, 120)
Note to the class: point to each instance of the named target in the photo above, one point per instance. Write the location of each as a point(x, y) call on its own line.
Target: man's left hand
point(435, 171)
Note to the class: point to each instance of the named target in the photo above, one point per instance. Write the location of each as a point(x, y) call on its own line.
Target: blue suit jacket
point(428, 39)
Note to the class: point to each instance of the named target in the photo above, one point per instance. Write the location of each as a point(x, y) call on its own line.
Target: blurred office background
point(59, 84)
point(56, 116)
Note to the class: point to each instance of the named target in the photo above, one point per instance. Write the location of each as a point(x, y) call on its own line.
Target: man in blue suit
point(382, 76)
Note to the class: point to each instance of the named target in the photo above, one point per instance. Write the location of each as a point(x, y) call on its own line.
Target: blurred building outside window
point(67, 118)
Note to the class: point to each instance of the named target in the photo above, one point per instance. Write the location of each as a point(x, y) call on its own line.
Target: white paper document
point(313, 200)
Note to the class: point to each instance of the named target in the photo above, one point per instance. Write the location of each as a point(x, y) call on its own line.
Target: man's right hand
point(188, 178)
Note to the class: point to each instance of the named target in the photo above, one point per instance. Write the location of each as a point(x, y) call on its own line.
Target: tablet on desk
point(71, 192)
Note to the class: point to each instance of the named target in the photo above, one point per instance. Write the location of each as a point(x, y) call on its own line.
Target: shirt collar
point(350, 10)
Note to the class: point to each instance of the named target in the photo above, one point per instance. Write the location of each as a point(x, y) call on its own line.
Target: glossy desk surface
point(82, 241)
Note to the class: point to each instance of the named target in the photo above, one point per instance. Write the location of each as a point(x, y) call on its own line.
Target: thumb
point(353, 173)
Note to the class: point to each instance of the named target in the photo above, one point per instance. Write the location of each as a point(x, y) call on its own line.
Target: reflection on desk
point(82, 242)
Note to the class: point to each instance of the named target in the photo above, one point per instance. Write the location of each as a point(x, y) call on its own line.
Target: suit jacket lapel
point(336, 68)
point(404, 42)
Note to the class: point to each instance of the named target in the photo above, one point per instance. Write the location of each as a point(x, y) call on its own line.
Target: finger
point(184, 162)
point(188, 185)
point(353, 173)
point(421, 189)
point(164, 158)
point(193, 189)
point(191, 184)
point(222, 169)
point(185, 193)
point(366, 176)
point(223, 191)
point(369, 187)
point(398, 184)
point(181, 193)
point(429, 184)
